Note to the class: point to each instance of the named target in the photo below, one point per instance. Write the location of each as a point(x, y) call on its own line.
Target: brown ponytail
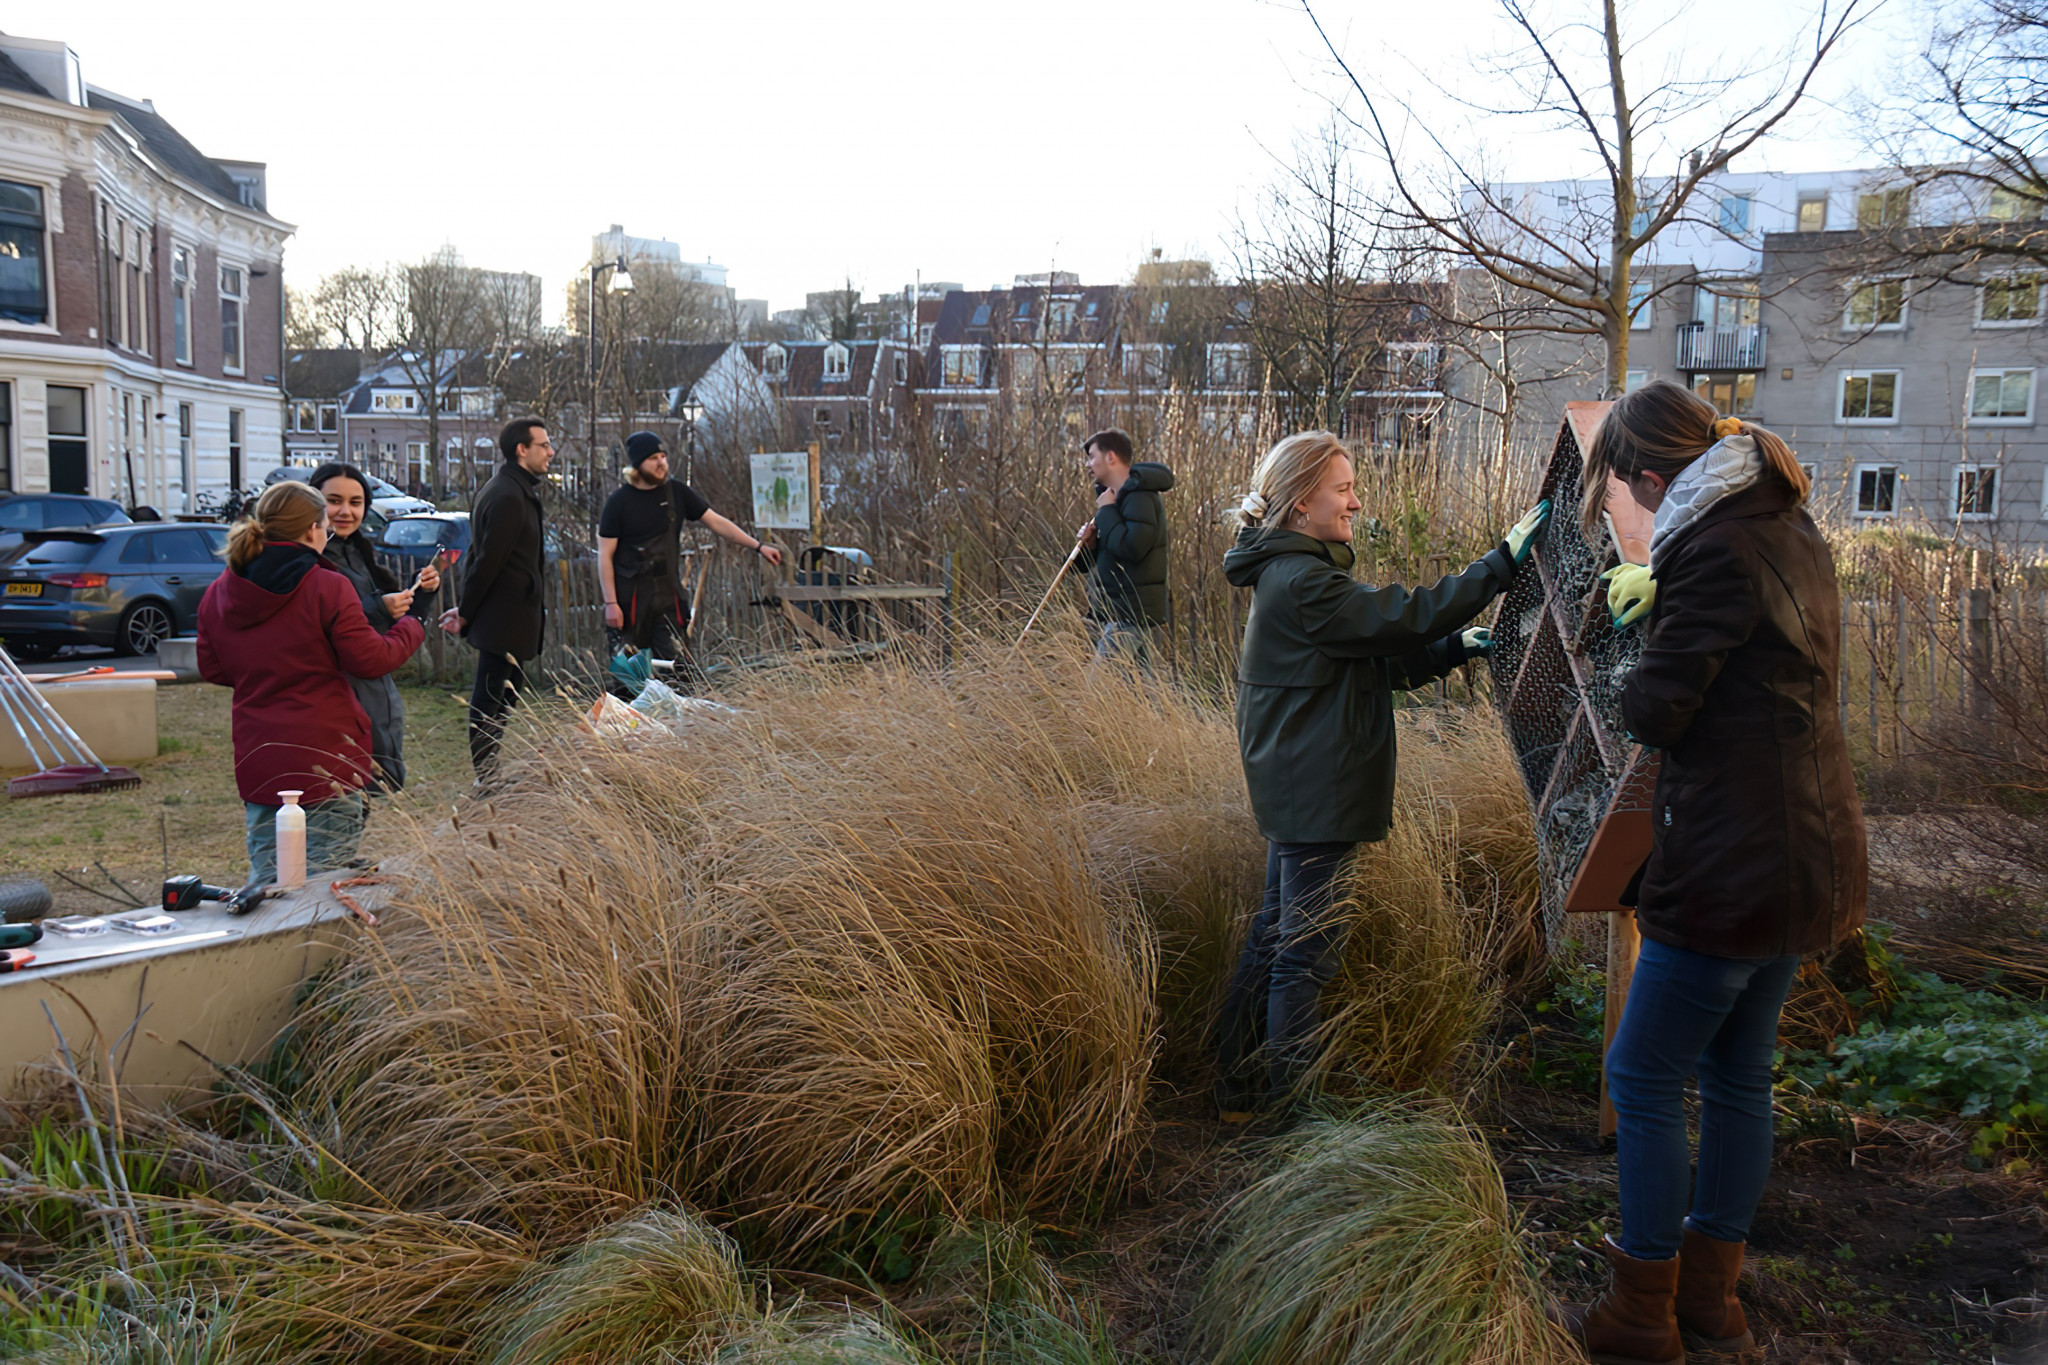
point(1661, 428)
point(284, 512)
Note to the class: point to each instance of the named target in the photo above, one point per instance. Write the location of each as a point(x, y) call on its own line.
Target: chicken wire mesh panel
point(1558, 667)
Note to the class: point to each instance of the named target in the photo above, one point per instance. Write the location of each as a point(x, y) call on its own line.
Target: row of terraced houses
point(142, 354)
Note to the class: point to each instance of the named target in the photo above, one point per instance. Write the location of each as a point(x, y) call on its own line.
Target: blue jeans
point(1718, 1016)
point(334, 829)
point(1291, 950)
point(1122, 640)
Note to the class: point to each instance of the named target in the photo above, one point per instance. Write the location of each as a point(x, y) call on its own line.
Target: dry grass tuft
point(658, 1281)
point(1383, 1236)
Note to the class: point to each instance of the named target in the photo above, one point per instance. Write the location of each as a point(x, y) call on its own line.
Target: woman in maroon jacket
point(284, 630)
point(1757, 853)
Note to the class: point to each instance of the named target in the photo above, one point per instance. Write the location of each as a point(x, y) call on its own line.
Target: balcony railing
point(1701, 347)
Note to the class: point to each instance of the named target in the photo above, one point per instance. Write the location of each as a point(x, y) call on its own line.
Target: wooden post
point(1624, 942)
point(817, 500)
point(1977, 649)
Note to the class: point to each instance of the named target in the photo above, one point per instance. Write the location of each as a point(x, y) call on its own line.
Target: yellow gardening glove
point(1630, 591)
point(1523, 533)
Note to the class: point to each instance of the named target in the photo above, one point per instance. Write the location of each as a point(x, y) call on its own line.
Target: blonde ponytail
point(1286, 476)
point(285, 512)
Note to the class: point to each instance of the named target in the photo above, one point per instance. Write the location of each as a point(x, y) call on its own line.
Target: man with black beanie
point(639, 554)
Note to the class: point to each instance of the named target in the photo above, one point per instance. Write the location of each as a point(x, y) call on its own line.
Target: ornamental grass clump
point(658, 1282)
point(1383, 1237)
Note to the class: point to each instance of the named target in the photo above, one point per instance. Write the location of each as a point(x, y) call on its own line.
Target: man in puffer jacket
point(1123, 550)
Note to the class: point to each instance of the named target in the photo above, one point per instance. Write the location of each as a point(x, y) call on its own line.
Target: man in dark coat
point(501, 611)
point(1123, 550)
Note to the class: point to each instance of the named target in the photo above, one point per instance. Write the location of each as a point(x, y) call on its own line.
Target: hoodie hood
point(1257, 547)
point(262, 590)
point(1148, 476)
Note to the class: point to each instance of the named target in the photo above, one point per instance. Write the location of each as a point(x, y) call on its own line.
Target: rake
point(73, 766)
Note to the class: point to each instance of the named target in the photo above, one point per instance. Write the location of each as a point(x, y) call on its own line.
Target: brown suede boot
point(1632, 1323)
point(1710, 1317)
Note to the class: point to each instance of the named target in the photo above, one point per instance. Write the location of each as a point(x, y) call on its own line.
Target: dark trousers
point(656, 622)
point(499, 679)
point(1294, 946)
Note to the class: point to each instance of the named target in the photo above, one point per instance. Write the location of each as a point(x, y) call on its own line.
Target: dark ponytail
point(1661, 428)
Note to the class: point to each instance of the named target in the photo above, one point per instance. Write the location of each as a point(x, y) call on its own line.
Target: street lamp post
point(691, 411)
point(621, 283)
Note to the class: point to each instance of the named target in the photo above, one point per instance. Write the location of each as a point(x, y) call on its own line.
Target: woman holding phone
point(384, 601)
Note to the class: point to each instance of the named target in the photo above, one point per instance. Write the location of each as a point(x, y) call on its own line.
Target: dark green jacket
point(1315, 682)
point(1127, 567)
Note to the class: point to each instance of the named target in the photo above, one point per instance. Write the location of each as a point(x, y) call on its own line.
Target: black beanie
point(641, 446)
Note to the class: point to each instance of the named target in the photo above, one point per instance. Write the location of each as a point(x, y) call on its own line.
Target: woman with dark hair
point(384, 600)
point(284, 630)
point(1757, 857)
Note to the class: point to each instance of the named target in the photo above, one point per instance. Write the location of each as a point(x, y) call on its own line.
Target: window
point(821, 417)
point(2001, 396)
point(1883, 209)
point(1059, 314)
point(113, 278)
point(1813, 213)
point(1733, 394)
point(234, 447)
point(394, 400)
point(305, 415)
point(1735, 214)
point(418, 461)
point(838, 362)
point(186, 458)
point(1639, 223)
point(231, 318)
point(24, 279)
point(1160, 307)
point(1411, 366)
point(1732, 305)
point(330, 417)
point(1976, 492)
point(1877, 490)
point(1641, 312)
point(1023, 307)
point(960, 367)
point(2012, 206)
point(980, 318)
point(775, 362)
point(1870, 396)
point(924, 334)
point(1634, 380)
point(1145, 366)
point(2010, 301)
point(902, 368)
point(1229, 365)
point(1876, 306)
point(138, 280)
point(181, 304)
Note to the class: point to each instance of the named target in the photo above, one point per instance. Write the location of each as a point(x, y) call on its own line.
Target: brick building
point(141, 297)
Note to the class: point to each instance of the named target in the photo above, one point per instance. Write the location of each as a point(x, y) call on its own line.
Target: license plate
point(24, 590)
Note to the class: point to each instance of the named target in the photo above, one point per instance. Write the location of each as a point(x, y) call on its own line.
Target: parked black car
point(408, 543)
point(21, 512)
point(129, 587)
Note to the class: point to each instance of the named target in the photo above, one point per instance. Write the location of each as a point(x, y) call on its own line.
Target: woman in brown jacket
point(1758, 855)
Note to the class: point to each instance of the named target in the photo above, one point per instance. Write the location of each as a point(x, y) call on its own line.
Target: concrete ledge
point(116, 717)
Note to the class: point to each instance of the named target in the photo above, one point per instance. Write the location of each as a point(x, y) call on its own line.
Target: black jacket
point(1315, 681)
point(1758, 833)
point(502, 608)
point(1127, 566)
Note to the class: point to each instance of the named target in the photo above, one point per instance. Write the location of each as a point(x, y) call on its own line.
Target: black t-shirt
point(640, 520)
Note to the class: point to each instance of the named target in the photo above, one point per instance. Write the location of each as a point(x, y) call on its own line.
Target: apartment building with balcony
point(141, 296)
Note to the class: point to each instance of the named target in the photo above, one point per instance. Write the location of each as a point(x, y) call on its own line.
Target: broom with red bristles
point(29, 710)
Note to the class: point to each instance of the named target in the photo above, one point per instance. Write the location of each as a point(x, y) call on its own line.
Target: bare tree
point(358, 307)
point(302, 328)
point(442, 316)
point(1311, 268)
point(1967, 137)
point(1573, 75)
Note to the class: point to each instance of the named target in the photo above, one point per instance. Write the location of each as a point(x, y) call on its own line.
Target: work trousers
point(334, 831)
point(657, 619)
point(499, 680)
point(1691, 1013)
point(1267, 1034)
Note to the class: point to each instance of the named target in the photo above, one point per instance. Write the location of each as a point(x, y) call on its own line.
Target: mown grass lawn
point(188, 805)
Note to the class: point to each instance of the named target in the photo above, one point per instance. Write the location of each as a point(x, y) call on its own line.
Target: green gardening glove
point(1630, 591)
point(1478, 642)
point(1523, 533)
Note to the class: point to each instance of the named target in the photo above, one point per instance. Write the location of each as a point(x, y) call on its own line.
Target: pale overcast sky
point(800, 143)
